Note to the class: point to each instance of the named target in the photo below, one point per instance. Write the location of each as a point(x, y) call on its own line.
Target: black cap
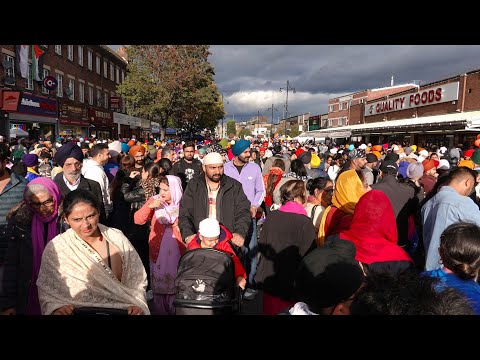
point(371, 158)
point(389, 167)
point(392, 157)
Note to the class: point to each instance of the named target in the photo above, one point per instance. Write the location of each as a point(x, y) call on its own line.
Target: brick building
point(83, 102)
point(445, 112)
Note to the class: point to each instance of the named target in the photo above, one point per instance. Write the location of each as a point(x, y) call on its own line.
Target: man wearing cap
point(70, 158)
point(429, 178)
point(187, 167)
point(358, 159)
point(370, 171)
point(250, 176)
point(401, 196)
point(216, 196)
point(450, 205)
point(12, 187)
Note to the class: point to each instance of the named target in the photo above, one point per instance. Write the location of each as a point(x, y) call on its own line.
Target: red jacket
point(222, 245)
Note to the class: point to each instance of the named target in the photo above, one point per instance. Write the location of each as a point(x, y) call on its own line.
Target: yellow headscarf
point(348, 190)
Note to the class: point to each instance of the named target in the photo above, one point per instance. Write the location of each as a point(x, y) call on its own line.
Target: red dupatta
point(374, 230)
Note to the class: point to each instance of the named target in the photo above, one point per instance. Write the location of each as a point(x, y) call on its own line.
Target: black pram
point(205, 284)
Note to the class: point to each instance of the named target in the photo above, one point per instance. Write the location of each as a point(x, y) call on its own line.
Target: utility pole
point(223, 118)
point(288, 87)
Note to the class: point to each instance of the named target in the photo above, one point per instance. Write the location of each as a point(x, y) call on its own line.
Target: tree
point(172, 83)
point(231, 127)
point(294, 131)
point(244, 132)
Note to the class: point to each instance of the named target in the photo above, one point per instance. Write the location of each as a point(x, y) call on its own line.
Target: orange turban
point(135, 149)
point(377, 147)
point(131, 143)
point(466, 163)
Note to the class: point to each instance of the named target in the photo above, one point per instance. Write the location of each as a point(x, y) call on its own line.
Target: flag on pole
point(21, 60)
point(37, 63)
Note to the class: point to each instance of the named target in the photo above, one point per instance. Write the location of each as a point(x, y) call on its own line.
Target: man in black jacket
point(70, 158)
point(217, 196)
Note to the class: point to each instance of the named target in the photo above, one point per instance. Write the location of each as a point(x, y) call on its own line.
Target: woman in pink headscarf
point(165, 242)
point(31, 225)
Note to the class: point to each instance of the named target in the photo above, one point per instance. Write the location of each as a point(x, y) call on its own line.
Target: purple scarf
point(169, 213)
point(293, 207)
point(38, 244)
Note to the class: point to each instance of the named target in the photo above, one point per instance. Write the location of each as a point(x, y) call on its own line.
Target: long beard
point(73, 177)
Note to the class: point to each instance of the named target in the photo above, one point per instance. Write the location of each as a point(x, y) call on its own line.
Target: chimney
point(391, 81)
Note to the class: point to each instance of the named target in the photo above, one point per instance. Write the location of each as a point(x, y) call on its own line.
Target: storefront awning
point(470, 120)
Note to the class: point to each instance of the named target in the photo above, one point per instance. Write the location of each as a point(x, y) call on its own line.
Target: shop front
point(145, 128)
point(126, 125)
point(73, 120)
point(29, 115)
point(155, 129)
point(101, 123)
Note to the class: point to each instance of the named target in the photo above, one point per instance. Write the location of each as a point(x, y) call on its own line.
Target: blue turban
point(30, 160)
point(69, 150)
point(240, 146)
point(125, 148)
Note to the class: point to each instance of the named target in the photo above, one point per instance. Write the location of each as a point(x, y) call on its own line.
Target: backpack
point(206, 277)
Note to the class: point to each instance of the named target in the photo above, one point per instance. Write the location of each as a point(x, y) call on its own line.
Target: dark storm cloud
point(320, 72)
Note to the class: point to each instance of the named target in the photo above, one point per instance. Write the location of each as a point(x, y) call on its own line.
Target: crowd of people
point(318, 228)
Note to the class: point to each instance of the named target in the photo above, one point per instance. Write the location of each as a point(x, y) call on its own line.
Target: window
point(340, 121)
point(97, 63)
point(330, 108)
point(46, 73)
point(117, 75)
point(80, 55)
point(90, 95)
point(105, 68)
point(71, 86)
point(28, 80)
point(346, 121)
point(10, 71)
point(112, 72)
point(81, 92)
point(58, 49)
point(345, 105)
point(70, 52)
point(59, 85)
point(90, 60)
point(340, 106)
point(106, 100)
point(123, 76)
point(99, 98)
point(330, 122)
point(362, 100)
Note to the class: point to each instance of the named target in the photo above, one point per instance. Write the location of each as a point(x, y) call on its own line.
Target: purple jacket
point(251, 180)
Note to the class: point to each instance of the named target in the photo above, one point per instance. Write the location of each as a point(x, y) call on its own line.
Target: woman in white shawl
point(90, 265)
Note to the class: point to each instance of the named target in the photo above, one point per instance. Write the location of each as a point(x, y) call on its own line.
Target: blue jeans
point(249, 260)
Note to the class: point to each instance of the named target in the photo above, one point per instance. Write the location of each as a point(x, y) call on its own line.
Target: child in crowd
point(213, 235)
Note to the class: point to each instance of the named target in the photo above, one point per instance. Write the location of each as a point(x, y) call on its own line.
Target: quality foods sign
point(424, 97)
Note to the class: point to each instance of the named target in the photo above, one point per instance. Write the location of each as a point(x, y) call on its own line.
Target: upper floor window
point(330, 108)
point(28, 80)
point(105, 69)
point(90, 95)
point(90, 60)
point(71, 87)
point(117, 75)
point(70, 52)
point(80, 55)
point(112, 72)
point(58, 49)
point(11, 70)
point(106, 100)
point(123, 76)
point(81, 92)
point(97, 63)
point(59, 85)
point(46, 72)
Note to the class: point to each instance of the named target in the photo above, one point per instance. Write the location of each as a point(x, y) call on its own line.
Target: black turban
point(69, 150)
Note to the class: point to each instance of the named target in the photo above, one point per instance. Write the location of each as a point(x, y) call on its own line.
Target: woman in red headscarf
point(374, 232)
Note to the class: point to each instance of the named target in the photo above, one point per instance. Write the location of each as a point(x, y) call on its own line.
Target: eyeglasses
point(46, 203)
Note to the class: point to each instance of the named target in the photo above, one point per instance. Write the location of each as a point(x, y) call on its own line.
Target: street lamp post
point(288, 87)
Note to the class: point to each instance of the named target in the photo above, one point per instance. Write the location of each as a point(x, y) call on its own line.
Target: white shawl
point(72, 273)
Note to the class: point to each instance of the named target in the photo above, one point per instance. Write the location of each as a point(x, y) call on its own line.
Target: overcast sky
point(250, 76)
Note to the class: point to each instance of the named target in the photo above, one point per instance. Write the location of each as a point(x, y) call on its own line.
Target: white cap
point(232, 142)
point(395, 147)
point(423, 153)
point(209, 228)
point(362, 147)
point(213, 158)
point(444, 164)
point(333, 150)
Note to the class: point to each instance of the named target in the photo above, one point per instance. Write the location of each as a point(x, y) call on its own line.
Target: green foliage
point(294, 131)
point(231, 127)
point(244, 132)
point(172, 84)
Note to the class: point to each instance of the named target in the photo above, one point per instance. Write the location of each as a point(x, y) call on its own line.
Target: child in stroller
point(210, 275)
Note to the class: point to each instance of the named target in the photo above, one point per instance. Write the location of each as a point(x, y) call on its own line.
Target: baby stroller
point(205, 284)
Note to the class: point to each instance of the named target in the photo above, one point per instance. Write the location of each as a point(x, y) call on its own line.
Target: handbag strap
point(312, 213)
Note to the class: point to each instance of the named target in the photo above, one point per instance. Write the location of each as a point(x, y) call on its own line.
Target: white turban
point(209, 228)
point(213, 158)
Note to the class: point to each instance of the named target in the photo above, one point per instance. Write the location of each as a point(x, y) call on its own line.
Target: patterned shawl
point(73, 273)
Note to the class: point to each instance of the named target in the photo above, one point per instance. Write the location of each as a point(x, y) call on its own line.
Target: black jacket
point(180, 167)
point(233, 207)
point(85, 184)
